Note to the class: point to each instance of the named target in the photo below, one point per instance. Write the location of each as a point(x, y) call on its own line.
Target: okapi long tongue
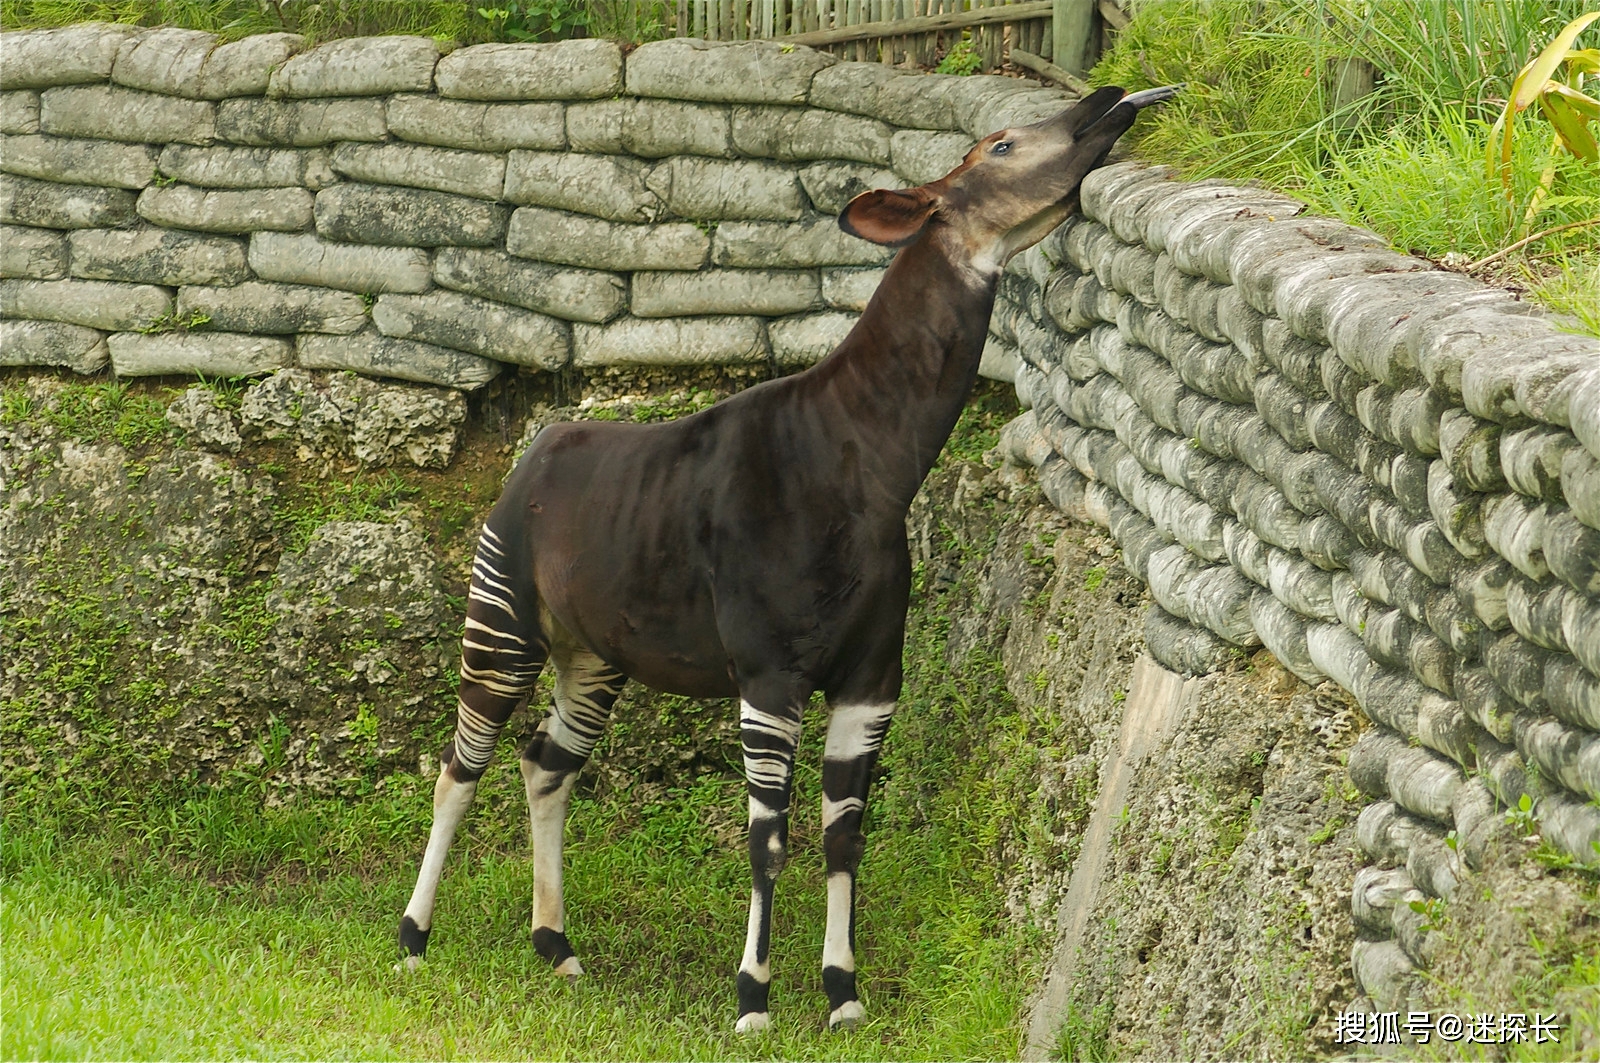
point(1137, 100)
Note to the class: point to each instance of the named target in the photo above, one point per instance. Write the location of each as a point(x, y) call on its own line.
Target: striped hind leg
point(849, 757)
point(586, 688)
point(502, 652)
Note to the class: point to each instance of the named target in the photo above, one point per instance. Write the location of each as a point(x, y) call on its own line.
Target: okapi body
point(756, 549)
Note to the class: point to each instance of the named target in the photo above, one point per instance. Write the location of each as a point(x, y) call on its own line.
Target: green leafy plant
point(538, 20)
point(1552, 81)
point(962, 58)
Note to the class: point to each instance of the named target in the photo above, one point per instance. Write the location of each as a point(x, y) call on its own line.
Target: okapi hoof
point(413, 945)
point(846, 1016)
point(752, 1022)
point(553, 946)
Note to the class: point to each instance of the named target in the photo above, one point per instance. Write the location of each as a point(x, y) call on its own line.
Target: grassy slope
point(188, 925)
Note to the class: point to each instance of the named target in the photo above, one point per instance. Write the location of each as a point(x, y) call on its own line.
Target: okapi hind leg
point(849, 758)
point(586, 689)
point(502, 652)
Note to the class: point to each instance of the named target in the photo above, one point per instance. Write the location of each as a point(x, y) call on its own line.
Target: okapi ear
point(892, 218)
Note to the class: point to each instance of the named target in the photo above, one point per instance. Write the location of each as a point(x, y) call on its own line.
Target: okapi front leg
point(586, 688)
point(769, 737)
point(855, 734)
point(502, 652)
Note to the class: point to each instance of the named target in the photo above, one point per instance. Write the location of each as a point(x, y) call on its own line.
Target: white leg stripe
point(761, 810)
point(836, 945)
point(783, 727)
point(856, 730)
point(761, 972)
point(832, 810)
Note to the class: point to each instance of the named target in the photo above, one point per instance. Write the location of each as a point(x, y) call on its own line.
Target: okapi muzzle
point(754, 550)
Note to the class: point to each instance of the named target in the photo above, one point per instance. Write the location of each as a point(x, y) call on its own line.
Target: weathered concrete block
point(575, 240)
point(1181, 646)
point(82, 350)
point(97, 304)
point(1572, 550)
point(1456, 512)
point(407, 217)
point(613, 187)
point(477, 126)
point(927, 102)
point(802, 133)
point(19, 111)
point(1571, 691)
point(853, 88)
point(685, 68)
point(221, 167)
point(181, 62)
point(109, 112)
point(24, 201)
point(299, 123)
point(816, 241)
point(1284, 633)
point(214, 354)
point(1535, 610)
point(670, 341)
point(70, 55)
point(227, 211)
point(809, 338)
point(728, 189)
point(832, 185)
point(1441, 343)
point(84, 162)
point(920, 157)
point(850, 289)
point(1531, 459)
point(157, 256)
point(570, 294)
point(33, 254)
point(358, 66)
point(1538, 368)
point(563, 70)
point(467, 323)
point(724, 291)
point(466, 173)
point(651, 128)
point(371, 353)
point(1580, 484)
point(302, 258)
point(273, 309)
point(1515, 528)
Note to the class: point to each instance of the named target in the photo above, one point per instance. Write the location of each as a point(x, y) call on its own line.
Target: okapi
point(756, 549)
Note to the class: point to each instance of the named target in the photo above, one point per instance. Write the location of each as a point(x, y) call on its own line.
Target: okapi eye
point(1002, 148)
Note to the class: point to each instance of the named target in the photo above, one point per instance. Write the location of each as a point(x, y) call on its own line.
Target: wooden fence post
point(1073, 33)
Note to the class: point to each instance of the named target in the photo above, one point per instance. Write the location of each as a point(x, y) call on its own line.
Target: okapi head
point(1012, 188)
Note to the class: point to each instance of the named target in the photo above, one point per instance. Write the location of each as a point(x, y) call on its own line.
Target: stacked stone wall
point(1386, 474)
point(172, 204)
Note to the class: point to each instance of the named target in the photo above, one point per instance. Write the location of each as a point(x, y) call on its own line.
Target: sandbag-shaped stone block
point(32, 254)
point(1560, 389)
point(1566, 754)
point(179, 62)
point(1480, 823)
point(1444, 726)
point(1263, 509)
point(1570, 824)
point(77, 161)
point(1515, 527)
point(1571, 691)
point(724, 291)
point(371, 353)
point(1384, 973)
point(1153, 384)
point(299, 123)
point(273, 309)
point(358, 66)
point(811, 242)
point(1369, 761)
point(1022, 443)
point(852, 88)
point(407, 217)
point(1301, 292)
point(802, 134)
point(104, 305)
point(1482, 589)
point(109, 112)
point(1333, 431)
point(1432, 661)
point(1063, 486)
point(19, 111)
point(225, 167)
point(1536, 609)
point(210, 210)
point(1120, 182)
point(1212, 369)
point(921, 156)
point(24, 201)
point(1245, 551)
point(653, 129)
point(1485, 703)
point(74, 347)
point(808, 338)
point(1283, 406)
point(1443, 340)
point(850, 289)
point(1518, 667)
point(1365, 317)
point(1471, 449)
point(728, 189)
point(1283, 631)
point(1392, 697)
point(712, 340)
point(474, 126)
point(1181, 646)
point(1340, 655)
point(1132, 270)
point(1453, 623)
point(1580, 484)
point(302, 258)
point(479, 326)
point(1387, 636)
point(686, 68)
point(1261, 256)
point(1374, 895)
point(1531, 458)
point(156, 256)
point(1414, 418)
point(69, 55)
point(613, 187)
point(571, 294)
point(1352, 606)
point(1580, 629)
point(465, 173)
point(1489, 379)
point(989, 102)
point(832, 185)
point(1215, 597)
point(1413, 930)
point(1304, 588)
point(921, 102)
point(1423, 783)
point(999, 361)
point(212, 354)
point(561, 70)
point(1583, 409)
point(1200, 224)
point(577, 240)
point(1408, 482)
point(1327, 543)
